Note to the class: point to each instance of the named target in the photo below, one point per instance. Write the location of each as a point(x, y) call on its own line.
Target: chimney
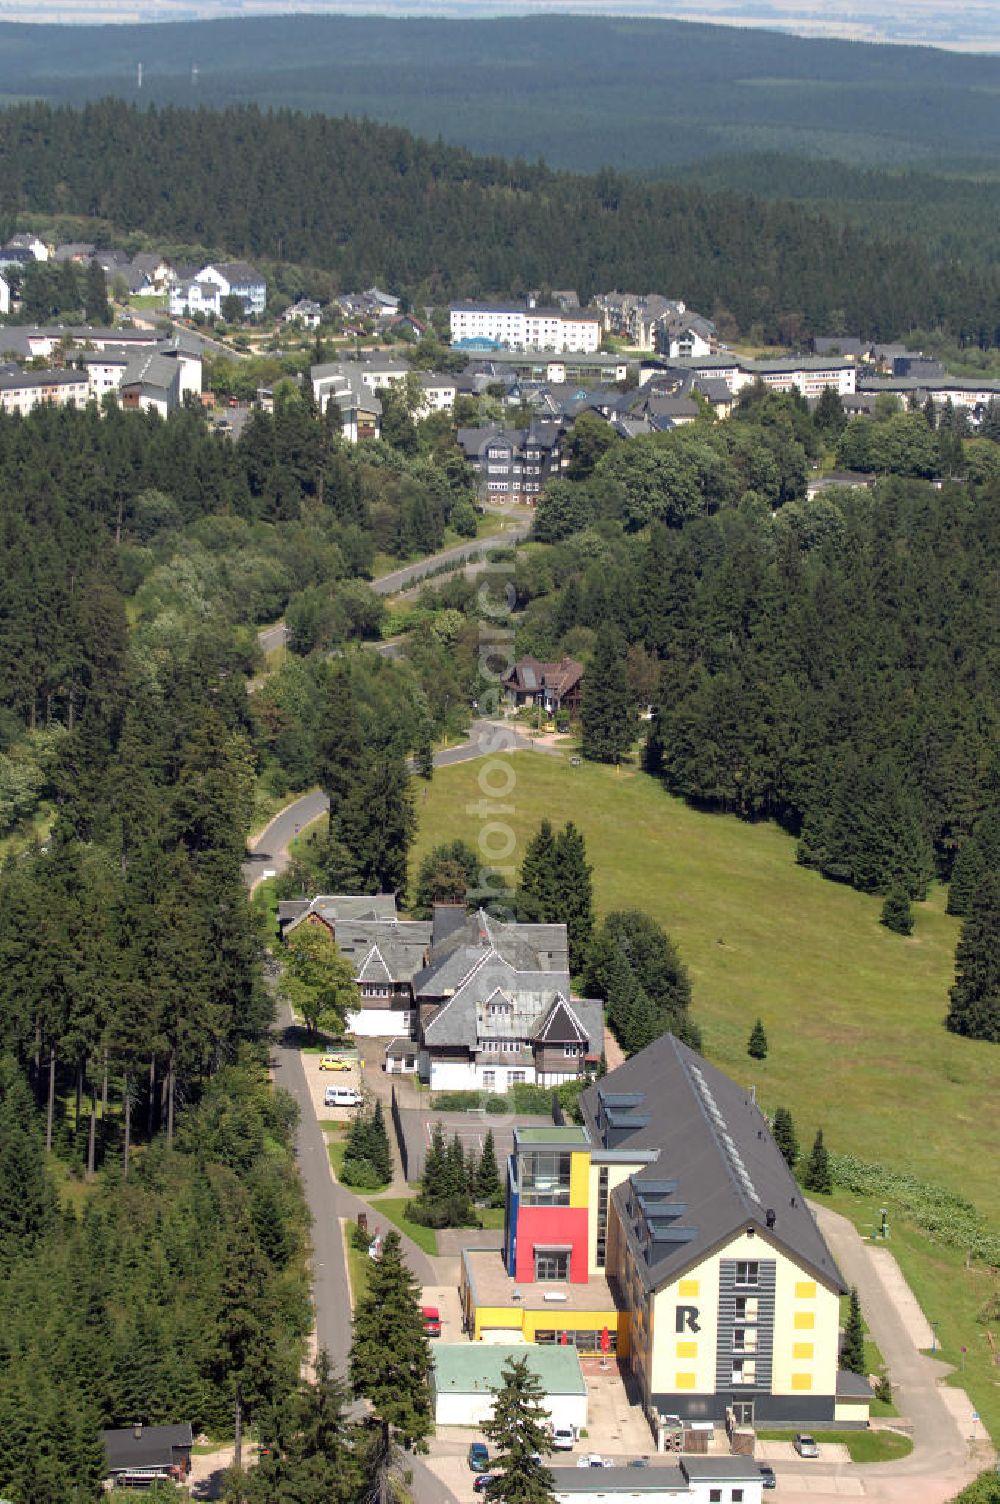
point(770, 1216)
point(137, 1430)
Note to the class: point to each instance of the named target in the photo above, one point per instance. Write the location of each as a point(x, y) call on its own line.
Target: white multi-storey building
point(524, 327)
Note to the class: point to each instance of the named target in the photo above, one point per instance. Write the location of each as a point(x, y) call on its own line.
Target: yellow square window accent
point(689, 1287)
point(684, 1381)
point(805, 1289)
point(802, 1349)
point(805, 1321)
point(687, 1349)
point(802, 1381)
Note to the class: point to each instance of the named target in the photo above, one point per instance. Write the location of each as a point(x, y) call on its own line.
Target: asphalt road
point(331, 1293)
point(269, 852)
point(411, 574)
point(940, 1459)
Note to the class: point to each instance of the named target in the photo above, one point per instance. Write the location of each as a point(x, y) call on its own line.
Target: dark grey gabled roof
point(718, 1170)
point(384, 950)
point(561, 1026)
point(145, 1446)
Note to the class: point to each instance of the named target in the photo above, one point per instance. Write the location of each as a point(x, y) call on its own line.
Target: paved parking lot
point(317, 1082)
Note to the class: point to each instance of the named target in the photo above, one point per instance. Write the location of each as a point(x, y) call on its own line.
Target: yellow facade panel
point(805, 1289)
point(802, 1349)
point(802, 1381)
point(685, 1381)
point(687, 1349)
point(687, 1287)
point(805, 1321)
point(498, 1316)
point(579, 1179)
point(574, 1321)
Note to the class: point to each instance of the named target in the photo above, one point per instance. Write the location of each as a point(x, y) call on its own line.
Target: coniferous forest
point(152, 1232)
point(830, 664)
point(434, 221)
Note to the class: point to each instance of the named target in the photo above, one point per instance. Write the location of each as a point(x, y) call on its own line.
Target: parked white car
point(341, 1096)
point(593, 1459)
point(563, 1438)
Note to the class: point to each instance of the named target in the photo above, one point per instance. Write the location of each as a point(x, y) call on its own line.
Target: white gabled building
point(4, 296)
point(220, 279)
point(515, 326)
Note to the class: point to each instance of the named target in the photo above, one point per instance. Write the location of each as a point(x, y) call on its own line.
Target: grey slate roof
point(717, 1163)
point(152, 371)
point(155, 1446)
point(853, 1386)
point(26, 379)
point(237, 273)
point(724, 1469)
point(384, 950)
point(335, 908)
point(539, 947)
point(520, 967)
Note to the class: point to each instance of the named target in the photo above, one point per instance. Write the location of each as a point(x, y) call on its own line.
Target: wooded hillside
point(373, 204)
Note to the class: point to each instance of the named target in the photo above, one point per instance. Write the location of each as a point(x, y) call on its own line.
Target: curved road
point(460, 554)
point(268, 852)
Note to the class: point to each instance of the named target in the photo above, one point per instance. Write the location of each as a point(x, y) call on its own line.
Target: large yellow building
point(731, 1295)
point(668, 1230)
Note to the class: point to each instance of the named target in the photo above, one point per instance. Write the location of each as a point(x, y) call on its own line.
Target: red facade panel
point(552, 1227)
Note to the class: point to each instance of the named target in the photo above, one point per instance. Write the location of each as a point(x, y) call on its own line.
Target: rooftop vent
point(770, 1216)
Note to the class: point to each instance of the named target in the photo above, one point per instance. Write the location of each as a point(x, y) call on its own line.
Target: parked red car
point(432, 1320)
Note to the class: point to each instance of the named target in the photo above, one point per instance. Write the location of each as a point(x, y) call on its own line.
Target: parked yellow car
point(334, 1063)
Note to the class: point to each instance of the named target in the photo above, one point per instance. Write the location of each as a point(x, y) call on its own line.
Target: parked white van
point(341, 1096)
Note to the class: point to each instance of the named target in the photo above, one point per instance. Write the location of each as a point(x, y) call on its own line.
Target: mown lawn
point(358, 1267)
point(394, 1207)
point(853, 1013)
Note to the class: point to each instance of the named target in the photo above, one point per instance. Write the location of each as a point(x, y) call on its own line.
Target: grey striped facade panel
point(724, 1351)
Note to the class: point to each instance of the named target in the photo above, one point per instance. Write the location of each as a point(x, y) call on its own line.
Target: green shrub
point(361, 1174)
point(457, 1101)
point(529, 1098)
point(448, 1211)
point(944, 1215)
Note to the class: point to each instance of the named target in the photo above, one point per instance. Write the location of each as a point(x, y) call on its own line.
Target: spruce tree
point(519, 1431)
point(631, 1013)
point(376, 820)
point(975, 998)
point(538, 890)
point(432, 1182)
point(896, 913)
point(606, 710)
point(783, 1130)
point(488, 1187)
point(390, 1362)
point(379, 1149)
point(852, 1353)
point(817, 1175)
point(574, 901)
point(979, 854)
point(757, 1043)
point(654, 959)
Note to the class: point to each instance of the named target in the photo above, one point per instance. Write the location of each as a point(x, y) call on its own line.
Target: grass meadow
point(853, 1014)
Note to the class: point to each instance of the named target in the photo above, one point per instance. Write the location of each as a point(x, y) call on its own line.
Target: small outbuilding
point(696, 1480)
point(139, 1455)
point(466, 1374)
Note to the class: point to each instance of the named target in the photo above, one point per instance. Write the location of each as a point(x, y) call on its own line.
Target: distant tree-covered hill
point(579, 91)
point(372, 203)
